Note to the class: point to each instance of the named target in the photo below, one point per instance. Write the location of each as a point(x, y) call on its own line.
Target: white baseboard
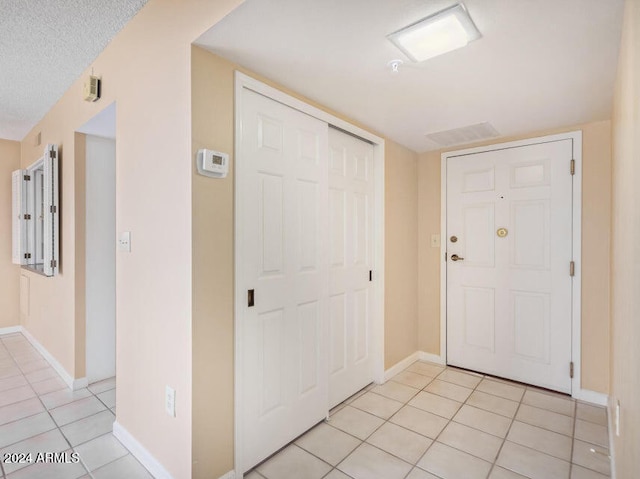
point(401, 365)
point(432, 358)
point(10, 330)
point(73, 383)
point(611, 411)
point(412, 358)
point(229, 475)
point(156, 469)
point(591, 396)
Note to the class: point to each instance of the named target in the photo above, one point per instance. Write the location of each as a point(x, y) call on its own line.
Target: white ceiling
point(44, 47)
point(540, 63)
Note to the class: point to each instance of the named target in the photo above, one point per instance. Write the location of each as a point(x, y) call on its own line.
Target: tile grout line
point(449, 421)
point(90, 472)
point(504, 441)
point(573, 439)
point(58, 427)
point(513, 418)
point(355, 397)
point(370, 388)
point(364, 441)
point(51, 417)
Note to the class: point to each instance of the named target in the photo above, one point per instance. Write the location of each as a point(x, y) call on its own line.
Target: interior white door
point(351, 194)
point(509, 294)
point(283, 169)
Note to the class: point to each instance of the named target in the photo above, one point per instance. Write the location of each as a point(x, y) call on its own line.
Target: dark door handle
point(250, 298)
point(455, 257)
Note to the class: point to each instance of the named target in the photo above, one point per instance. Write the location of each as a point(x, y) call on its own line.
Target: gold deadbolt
point(502, 232)
point(454, 239)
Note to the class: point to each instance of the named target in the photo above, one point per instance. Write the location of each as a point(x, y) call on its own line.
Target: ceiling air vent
point(466, 134)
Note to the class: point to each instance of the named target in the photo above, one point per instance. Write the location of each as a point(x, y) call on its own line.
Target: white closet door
point(18, 223)
point(351, 191)
point(282, 176)
point(509, 293)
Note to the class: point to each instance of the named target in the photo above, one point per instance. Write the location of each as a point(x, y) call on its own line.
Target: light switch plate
point(170, 401)
point(124, 241)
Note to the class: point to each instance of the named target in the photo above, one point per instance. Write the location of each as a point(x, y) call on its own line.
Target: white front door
point(509, 221)
point(283, 169)
point(351, 190)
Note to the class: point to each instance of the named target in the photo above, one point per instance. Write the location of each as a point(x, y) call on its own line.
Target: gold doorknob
point(455, 257)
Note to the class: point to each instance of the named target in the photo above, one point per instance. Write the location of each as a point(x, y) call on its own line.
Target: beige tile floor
point(431, 422)
point(38, 413)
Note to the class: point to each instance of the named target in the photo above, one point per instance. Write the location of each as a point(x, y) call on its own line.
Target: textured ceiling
point(44, 47)
point(539, 64)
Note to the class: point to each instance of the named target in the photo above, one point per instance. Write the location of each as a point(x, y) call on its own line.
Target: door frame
point(576, 284)
point(243, 81)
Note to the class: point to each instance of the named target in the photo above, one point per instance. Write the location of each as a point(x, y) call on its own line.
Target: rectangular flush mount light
point(436, 34)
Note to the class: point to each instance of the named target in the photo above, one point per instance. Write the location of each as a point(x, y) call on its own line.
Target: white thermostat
point(213, 163)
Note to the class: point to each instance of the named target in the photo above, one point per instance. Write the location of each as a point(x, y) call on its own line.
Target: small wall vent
point(466, 134)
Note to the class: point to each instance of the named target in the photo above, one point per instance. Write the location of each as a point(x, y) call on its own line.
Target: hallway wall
point(625, 248)
point(9, 272)
point(146, 70)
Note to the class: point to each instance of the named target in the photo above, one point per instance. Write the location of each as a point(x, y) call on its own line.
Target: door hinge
point(26, 216)
point(445, 256)
point(53, 209)
point(573, 167)
point(27, 178)
point(52, 154)
point(54, 263)
point(27, 255)
point(572, 268)
point(370, 275)
point(571, 369)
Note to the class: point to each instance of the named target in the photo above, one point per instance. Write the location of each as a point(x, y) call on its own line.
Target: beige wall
point(212, 91)
point(146, 70)
point(596, 214)
point(9, 273)
point(428, 257)
point(625, 261)
point(401, 250)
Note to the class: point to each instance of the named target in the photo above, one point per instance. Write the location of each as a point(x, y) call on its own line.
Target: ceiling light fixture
point(442, 32)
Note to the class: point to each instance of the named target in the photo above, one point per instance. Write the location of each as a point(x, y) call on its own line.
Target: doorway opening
point(100, 252)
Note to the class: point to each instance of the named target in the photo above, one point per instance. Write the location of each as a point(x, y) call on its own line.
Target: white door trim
point(243, 81)
point(576, 137)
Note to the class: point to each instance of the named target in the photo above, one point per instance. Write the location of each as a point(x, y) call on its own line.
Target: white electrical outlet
point(617, 418)
point(170, 401)
point(435, 241)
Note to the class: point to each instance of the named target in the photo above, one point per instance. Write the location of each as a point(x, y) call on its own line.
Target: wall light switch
point(124, 241)
point(435, 241)
point(170, 401)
